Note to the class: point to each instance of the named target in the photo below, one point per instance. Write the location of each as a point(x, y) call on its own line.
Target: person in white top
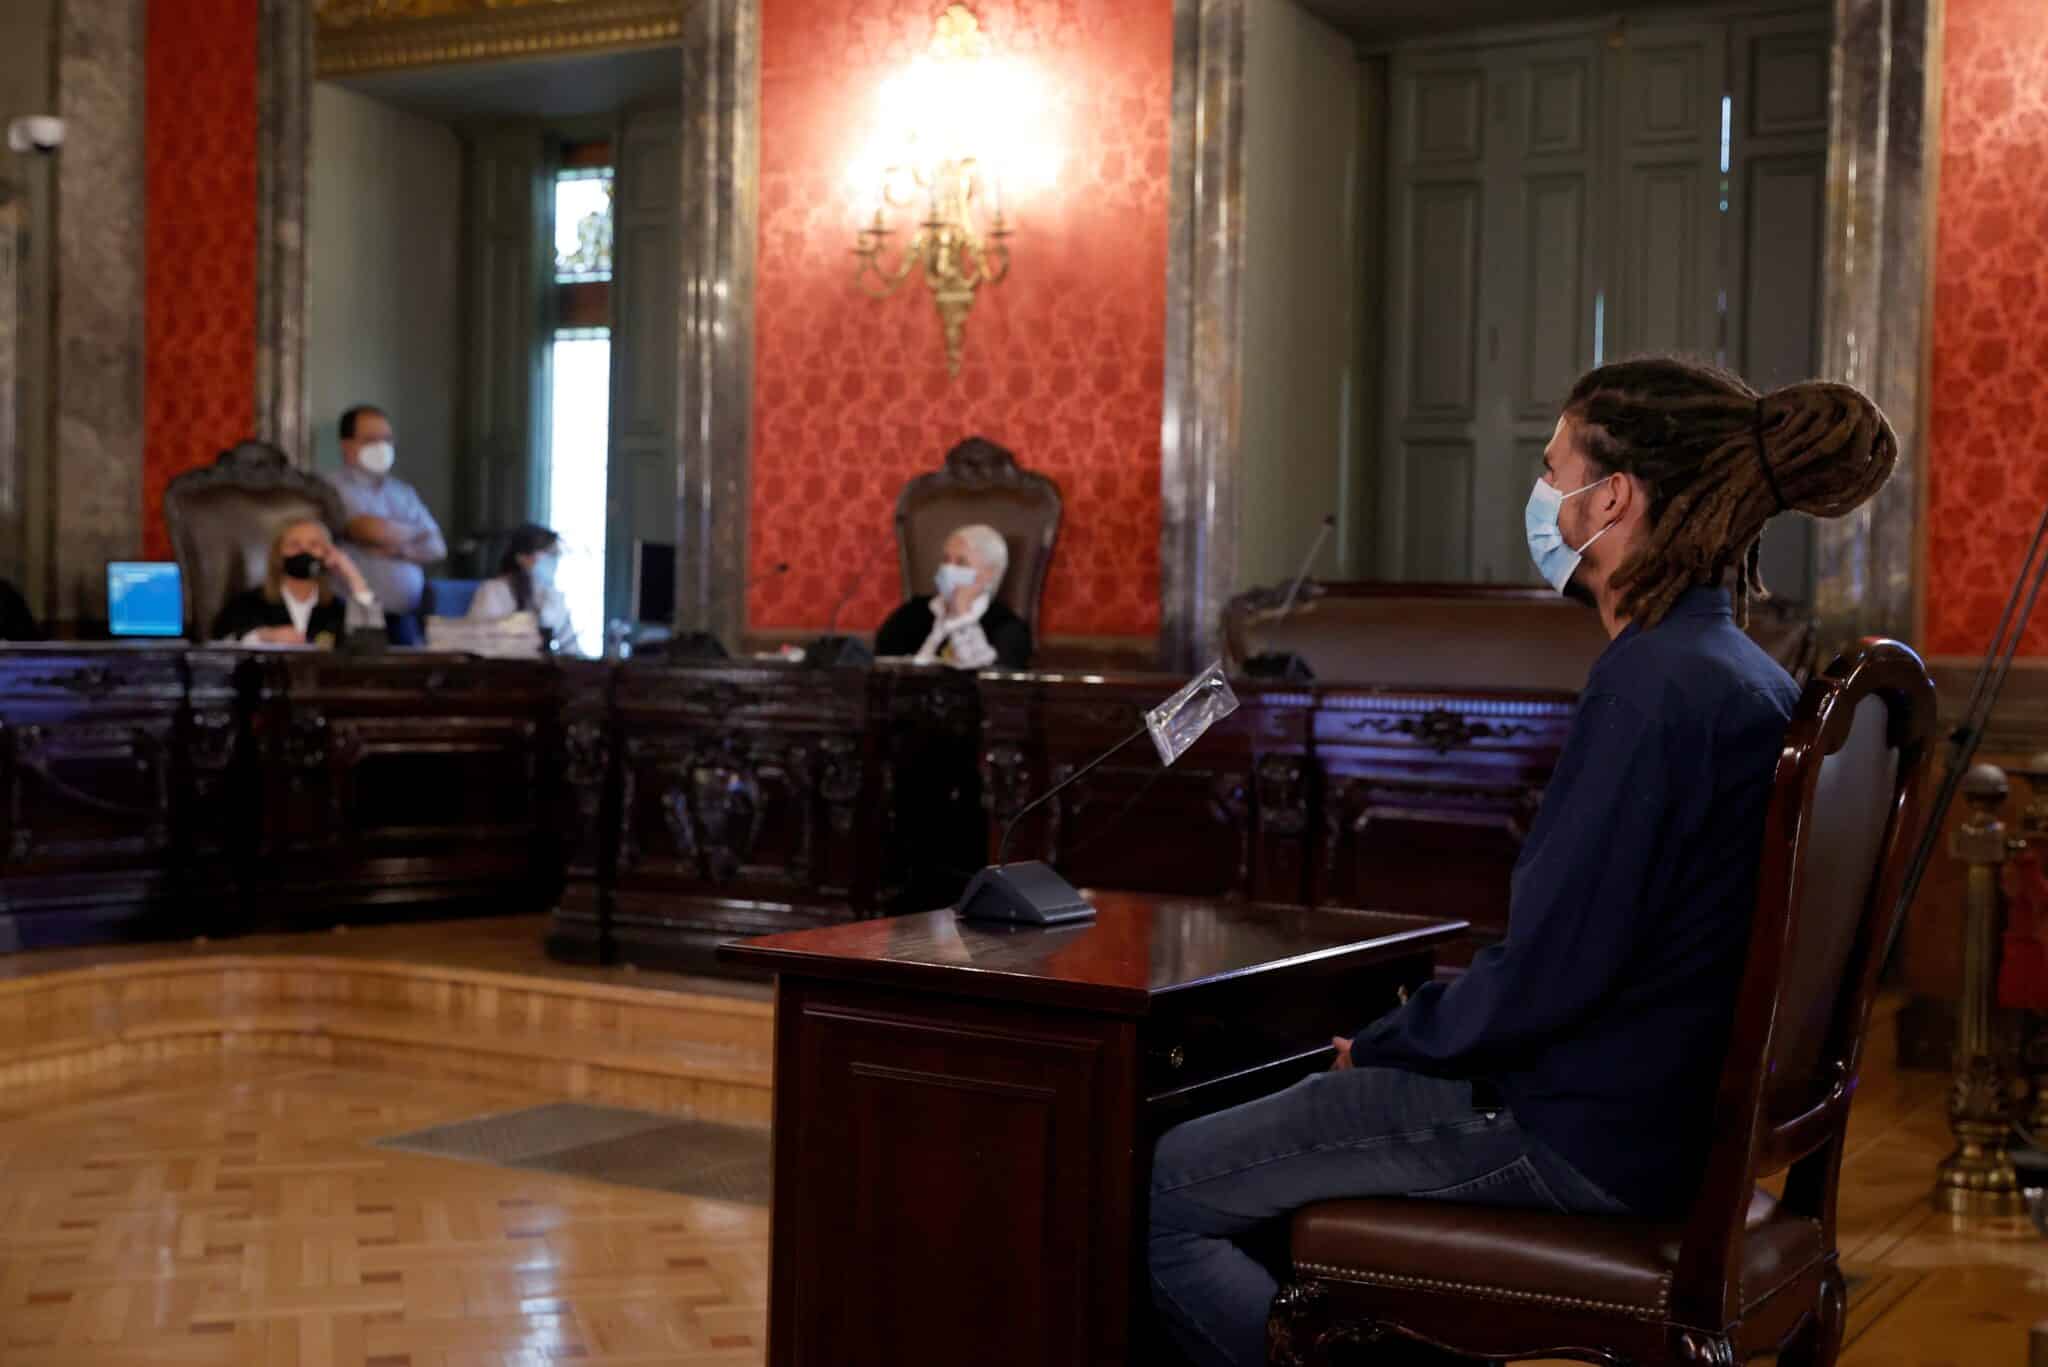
point(526, 583)
point(293, 606)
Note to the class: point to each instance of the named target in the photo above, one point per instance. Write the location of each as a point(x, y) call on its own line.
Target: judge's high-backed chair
point(1741, 1274)
point(224, 516)
point(980, 482)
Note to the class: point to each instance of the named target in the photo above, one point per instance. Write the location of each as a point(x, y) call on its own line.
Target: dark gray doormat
point(609, 1144)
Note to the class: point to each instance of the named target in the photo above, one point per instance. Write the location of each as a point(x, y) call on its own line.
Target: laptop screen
point(145, 598)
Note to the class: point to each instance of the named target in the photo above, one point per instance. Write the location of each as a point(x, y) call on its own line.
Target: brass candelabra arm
point(878, 280)
point(998, 251)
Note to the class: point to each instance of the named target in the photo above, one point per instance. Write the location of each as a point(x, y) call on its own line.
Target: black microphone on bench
point(832, 649)
point(1287, 665)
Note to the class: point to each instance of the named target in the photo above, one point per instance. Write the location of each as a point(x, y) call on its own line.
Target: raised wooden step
point(702, 1054)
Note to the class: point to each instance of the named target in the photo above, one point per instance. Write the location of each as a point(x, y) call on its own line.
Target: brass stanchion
point(1978, 1178)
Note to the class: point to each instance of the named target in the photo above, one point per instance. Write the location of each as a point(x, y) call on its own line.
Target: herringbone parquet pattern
point(235, 1212)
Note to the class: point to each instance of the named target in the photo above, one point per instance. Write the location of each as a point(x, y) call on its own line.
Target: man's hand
point(378, 533)
point(1343, 1048)
point(278, 636)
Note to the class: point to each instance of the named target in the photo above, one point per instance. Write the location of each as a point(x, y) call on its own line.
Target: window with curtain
point(580, 367)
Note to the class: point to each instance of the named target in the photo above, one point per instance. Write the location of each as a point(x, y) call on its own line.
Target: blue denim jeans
point(1358, 1132)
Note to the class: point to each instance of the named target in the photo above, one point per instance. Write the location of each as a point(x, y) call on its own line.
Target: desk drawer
point(1221, 1043)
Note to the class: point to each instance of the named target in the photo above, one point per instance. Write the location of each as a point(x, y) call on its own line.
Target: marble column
point(714, 393)
point(28, 74)
point(93, 503)
point(1876, 312)
point(1199, 437)
point(284, 119)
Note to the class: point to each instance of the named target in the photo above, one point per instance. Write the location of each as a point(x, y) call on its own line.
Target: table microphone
point(1032, 892)
point(831, 649)
point(1286, 664)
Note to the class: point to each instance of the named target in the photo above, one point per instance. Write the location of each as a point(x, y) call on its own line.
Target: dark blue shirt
point(1602, 1017)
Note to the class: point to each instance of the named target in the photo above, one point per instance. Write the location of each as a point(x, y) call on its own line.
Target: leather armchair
point(1457, 635)
point(1743, 1274)
point(224, 516)
point(981, 482)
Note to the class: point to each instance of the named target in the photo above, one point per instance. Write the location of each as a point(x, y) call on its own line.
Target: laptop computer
point(145, 598)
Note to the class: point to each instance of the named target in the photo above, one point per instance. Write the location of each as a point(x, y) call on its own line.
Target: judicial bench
point(659, 809)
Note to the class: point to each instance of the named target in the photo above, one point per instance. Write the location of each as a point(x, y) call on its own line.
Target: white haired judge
point(964, 624)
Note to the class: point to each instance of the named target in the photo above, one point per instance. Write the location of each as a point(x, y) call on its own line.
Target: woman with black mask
point(294, 606)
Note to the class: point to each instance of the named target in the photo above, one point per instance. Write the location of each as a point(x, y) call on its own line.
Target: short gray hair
point(986, 545)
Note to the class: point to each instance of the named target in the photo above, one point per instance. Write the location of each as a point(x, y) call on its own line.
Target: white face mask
point(376, 457)
point(951, 577)
point(1556, 559)
point(543, 570)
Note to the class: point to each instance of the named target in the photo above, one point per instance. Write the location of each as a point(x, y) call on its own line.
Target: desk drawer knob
point(1173, 1060)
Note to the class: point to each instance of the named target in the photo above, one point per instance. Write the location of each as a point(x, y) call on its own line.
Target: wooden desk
point(964, 1116)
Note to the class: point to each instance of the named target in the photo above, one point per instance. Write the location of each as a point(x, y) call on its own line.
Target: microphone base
point(1274, 665)
point(685, 645)
point(1025, 894)
point(828, 652)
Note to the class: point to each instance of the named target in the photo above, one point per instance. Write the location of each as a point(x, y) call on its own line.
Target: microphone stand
point(1964, 739)
point(1288, 665)
point(1003, 846)
point(822, 652)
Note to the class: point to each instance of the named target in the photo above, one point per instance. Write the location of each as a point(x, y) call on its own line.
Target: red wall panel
point(1988, 414)
point(1064, 362)
point(199, 157)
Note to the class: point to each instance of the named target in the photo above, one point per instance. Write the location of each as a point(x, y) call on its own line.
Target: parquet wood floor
point(233, 1211)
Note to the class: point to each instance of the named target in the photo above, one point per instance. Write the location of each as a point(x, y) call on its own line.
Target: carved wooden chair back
point(1844, 813)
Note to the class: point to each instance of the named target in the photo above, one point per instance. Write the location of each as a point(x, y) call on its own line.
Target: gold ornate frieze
point(353, 36)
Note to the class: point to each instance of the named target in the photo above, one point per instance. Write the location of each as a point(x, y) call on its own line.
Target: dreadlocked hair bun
point(1717, 458)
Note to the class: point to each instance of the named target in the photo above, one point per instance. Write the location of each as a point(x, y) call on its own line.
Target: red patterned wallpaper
point(1988, 417)
point(1064, 362)
point(199, 153)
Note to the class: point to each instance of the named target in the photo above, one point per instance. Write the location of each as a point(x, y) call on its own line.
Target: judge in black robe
point(962, 624)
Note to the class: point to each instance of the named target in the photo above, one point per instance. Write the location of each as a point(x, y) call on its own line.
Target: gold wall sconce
point(957, 131)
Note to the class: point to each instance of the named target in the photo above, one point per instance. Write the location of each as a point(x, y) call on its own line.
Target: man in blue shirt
point(390, 532)
point(1573, 1066)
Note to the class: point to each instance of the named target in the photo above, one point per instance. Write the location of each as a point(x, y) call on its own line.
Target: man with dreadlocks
point(1573, 1066)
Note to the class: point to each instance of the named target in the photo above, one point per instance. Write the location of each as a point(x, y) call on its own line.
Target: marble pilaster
point(95, 512)
point(1199, 446)
point(714, 393)
point(284, 94)
point(1876, 315)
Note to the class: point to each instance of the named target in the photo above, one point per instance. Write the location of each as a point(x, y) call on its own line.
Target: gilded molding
point(354, 36)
